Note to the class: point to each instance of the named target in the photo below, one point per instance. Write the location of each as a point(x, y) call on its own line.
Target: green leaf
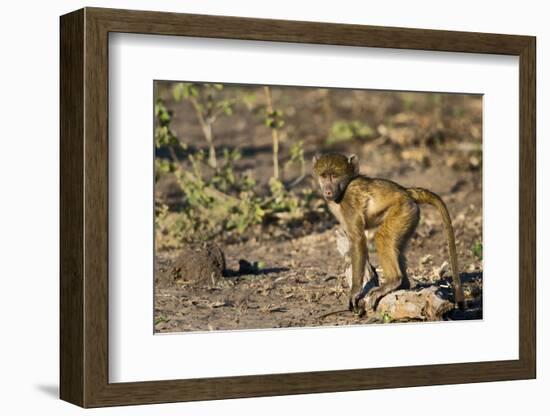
point(477, 250)
point(177, 91)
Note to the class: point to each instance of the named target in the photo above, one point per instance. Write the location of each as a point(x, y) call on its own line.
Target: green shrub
point(217, 198)
point(342, 131)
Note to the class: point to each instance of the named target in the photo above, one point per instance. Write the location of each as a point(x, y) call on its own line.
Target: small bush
point(342, 131)
point(215, 197)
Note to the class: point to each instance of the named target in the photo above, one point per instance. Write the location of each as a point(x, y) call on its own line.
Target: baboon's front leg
point(343, 245)
point(358, 263)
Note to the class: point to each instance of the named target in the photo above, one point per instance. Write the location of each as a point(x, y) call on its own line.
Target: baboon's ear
point(353, 160)
point(315, 158)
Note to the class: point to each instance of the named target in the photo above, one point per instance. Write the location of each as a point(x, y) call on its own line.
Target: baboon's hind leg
point(391, 240)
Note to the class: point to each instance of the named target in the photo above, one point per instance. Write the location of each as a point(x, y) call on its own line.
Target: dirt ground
point(301, 274)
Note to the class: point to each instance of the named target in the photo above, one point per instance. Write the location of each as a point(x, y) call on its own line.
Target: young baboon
point(360, 203)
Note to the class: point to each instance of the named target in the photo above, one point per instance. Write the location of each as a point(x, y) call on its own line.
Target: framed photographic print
point(256, 207)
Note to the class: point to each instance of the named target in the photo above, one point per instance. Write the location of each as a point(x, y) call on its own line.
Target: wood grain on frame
point(71, 215)
point(84, 207)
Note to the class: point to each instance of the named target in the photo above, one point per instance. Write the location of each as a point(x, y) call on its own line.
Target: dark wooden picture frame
point(84, 207)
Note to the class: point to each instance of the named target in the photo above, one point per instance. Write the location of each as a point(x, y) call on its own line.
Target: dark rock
point(204, 262)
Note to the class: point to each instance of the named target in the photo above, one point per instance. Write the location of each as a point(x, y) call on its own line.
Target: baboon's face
point(332, 186)
point(334, 172)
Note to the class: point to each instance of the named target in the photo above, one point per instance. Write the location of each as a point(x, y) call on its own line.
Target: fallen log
point(418, 304)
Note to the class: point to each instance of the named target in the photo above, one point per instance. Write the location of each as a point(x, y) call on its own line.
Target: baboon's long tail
point(424, 196)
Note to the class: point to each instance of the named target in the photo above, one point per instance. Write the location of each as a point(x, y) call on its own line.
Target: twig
point(297, 181)
point(206, 126)
point(332, 313)
point(274, 134)
point(173, 155)
point(210, 191)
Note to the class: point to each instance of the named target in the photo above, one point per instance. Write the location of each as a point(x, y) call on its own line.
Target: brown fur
point(361, 203)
